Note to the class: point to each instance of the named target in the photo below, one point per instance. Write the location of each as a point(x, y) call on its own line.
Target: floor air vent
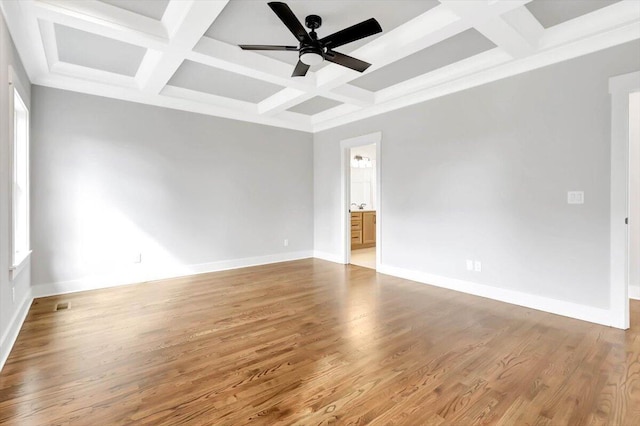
point(62, 306)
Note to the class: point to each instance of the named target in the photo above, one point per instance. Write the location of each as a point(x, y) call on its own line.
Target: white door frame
point(620, 87)
point(634, 199)
point(345, 205)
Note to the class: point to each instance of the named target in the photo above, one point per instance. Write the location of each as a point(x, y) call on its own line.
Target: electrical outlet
point(477, 266)
point(575, 197)
point(469, 265)
point(286, 243)
point(137, 258)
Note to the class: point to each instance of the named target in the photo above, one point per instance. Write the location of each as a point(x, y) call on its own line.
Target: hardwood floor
point(365, 257)
point(312, 342)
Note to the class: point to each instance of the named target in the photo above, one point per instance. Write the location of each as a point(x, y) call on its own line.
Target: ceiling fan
point(312, 50)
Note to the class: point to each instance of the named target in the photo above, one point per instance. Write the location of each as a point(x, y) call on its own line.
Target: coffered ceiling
point(183, 54)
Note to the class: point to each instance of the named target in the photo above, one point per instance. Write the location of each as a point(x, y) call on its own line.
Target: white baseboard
point(634, 292)
point(328, 257)
point(133, 276)
point(558, 307)
point(11, 334)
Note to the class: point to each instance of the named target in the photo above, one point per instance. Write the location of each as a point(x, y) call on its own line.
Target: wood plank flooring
point(364, 257)
point(310, 343)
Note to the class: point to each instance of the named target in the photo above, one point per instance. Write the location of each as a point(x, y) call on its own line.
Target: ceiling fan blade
point(353, 33)
point(346, 61)
point(267, 47)
point(300, 69)
point(289, 19)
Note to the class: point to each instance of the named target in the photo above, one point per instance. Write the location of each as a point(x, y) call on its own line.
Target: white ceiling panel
point(94, 51)
point(253, 22)
point(554, 12)
point(314, 105)
point(202, 78)
point(150, 8)
point(454, 49)
point(154, 52)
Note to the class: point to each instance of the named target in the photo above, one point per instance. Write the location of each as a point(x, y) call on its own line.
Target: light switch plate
point(469, 265)
point(575, 197)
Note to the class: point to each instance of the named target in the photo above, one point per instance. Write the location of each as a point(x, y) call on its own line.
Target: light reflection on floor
point(364, 257)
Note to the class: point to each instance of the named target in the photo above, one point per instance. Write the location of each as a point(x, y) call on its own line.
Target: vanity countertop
point(361, 211)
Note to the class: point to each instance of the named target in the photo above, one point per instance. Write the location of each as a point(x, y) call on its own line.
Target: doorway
point(362, 208)
point(361, 201)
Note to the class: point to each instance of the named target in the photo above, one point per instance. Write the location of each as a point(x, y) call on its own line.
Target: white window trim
point(18, 264)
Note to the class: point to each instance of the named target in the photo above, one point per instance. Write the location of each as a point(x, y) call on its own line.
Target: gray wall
point(483, 174)
point(8, 308)
point(111, 179)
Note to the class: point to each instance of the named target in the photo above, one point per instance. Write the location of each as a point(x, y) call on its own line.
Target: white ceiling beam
point(175, 15)
point(506, 35)
point(104, 19)
point(283, 100)
point(92, 74)
point(530, 28)
point(189, 20)
point(350, 94)
point(48, 35)
point(25, 31)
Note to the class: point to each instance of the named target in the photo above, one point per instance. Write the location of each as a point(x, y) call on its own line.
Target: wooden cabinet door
point(368, 228)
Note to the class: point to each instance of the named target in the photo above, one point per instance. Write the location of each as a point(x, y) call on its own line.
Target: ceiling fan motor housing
point(313, 22)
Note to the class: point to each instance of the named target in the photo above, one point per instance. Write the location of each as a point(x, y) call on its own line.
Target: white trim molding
point(131, 277)
point(540, 303)
point(8, 339)
point(620, 87)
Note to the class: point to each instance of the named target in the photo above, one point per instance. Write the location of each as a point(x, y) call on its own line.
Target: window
point(20, 180)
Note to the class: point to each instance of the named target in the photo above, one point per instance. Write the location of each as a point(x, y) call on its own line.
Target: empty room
point(313, 212)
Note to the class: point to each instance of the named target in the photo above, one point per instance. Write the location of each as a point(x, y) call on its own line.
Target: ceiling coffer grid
point(174, 35)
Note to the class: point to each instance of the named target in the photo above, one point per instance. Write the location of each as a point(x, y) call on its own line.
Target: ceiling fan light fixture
point(311, 58)
point(311, 55)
